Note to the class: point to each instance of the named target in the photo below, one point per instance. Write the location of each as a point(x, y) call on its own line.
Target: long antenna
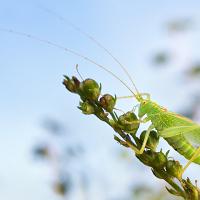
point(87, 35)
point(66, 50)
point(79, 72)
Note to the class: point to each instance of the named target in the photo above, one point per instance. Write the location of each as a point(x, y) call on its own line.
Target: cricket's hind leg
point(196, 154)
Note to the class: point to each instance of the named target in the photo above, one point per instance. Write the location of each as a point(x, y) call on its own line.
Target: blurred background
point(48, 149)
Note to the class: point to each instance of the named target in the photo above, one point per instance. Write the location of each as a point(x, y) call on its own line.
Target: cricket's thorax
point(155, 113)
point(161, 118)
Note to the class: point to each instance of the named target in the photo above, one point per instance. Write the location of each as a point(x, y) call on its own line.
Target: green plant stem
point(174, 185)
point(162, 167)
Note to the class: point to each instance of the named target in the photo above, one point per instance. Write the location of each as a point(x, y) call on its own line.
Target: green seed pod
point(71, 84)
point(191, 190)
point(156, 160)
point(89, 90)
point(108, 102)
point(159, 160)
point(157, 173)
point(146, 157)
point(128, 122)
point(102, 115)
point(174, 168)
point(153, 140)
point(86, 108)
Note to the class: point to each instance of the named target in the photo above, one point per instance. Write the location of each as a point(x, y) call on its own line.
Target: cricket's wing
point(191, 132)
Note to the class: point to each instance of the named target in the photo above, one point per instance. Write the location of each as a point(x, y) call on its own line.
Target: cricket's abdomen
point(182, 146)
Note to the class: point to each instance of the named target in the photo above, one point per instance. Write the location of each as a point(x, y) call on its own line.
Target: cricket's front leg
point(141, 150)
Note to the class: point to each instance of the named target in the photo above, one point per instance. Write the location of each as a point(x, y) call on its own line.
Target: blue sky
point(31, 72)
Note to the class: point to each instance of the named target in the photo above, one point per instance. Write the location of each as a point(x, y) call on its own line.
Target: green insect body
point(180, 132)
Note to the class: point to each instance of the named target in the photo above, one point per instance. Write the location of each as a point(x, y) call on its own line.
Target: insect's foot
point(140, 152)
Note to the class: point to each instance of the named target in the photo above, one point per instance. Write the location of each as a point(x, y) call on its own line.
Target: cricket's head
point(144, 107)
point(145, 104)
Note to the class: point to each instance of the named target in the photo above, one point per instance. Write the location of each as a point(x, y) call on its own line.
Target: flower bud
point(192, 191)
point(152, 141)
point(102, 115)
point(156, 160)
point(159, 160)
point(86, 108)
point(157, 173)
point(71, 84)
point(89, 90)
point(145, 157)
point(128, 122)
point(174, 168)
point(107, 102)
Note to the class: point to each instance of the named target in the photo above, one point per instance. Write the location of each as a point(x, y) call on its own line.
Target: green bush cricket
point(180, 132)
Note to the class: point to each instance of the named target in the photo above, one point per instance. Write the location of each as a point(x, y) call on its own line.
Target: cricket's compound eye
point(144, 102)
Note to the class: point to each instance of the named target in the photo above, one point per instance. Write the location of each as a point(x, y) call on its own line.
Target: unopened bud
point(159, 161)
point(174, 168)
point(128, 122)
point(71, 84)
point(157, 173)
point(107, 102)
point(89, 90)
point(152, 141)
point(192, 191)
point(86, 108)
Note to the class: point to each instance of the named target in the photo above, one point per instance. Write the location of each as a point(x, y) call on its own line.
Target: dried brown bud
point(71, 84)
point(107, 101)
